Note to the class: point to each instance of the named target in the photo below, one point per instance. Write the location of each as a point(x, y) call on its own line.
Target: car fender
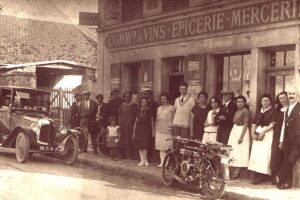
point(11, 139)
point(61, 146)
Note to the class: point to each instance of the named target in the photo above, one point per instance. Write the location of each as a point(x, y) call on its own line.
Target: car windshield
point(31, 100)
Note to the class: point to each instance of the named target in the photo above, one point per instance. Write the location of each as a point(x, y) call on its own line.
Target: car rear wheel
point(22, 147)
point(71, 150)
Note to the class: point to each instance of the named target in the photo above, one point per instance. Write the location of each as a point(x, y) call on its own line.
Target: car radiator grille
point(47, 134)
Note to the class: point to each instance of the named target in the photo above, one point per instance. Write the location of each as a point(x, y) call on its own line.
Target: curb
point(122, 170)
point(152, 177)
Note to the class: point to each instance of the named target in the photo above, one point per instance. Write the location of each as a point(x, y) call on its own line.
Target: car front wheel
point(22, 147)
point(71, 150)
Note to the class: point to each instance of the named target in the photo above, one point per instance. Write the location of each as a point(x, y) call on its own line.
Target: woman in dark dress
point(200, 111)
point(143, 131)
point(262, 135)
point(277, 156)
point(127, 115)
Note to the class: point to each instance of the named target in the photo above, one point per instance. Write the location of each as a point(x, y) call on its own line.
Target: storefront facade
point(250, 47)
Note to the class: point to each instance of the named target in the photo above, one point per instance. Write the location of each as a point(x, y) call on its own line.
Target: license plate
point(224, 160)
point(49, 149)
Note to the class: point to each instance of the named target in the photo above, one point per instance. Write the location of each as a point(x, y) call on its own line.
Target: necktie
point(181, 100)
point(86, 105)
point(99, 107)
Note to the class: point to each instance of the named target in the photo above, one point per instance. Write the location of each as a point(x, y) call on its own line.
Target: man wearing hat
point(153, 105)
point(88, 111)
point(226, 116)
point(114, 104)
point(75, 114)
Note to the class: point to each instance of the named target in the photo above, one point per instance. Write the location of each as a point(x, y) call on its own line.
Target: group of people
point(147, 125)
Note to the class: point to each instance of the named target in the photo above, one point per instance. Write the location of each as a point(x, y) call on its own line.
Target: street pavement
point(44, 179)
point(93, 177)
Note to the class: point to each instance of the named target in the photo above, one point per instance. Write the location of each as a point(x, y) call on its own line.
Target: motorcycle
point(205, 166)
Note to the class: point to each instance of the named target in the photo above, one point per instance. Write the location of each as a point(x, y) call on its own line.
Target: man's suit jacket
point(103, 114)
point(292, 128)
point(228, 111)
point(75, 115)
point(90, 113)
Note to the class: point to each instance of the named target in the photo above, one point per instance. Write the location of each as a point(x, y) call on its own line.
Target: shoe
point(159, 166)
point(146, 163)
point(235, 176)
point(257, 180)
point(141, 164)
point(283, 186)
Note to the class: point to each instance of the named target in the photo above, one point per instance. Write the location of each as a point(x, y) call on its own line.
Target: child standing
point(113, 136)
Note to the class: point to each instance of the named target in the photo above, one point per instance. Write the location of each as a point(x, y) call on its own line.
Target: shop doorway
point(134, 77)
point(130, 77)
point(174, 82)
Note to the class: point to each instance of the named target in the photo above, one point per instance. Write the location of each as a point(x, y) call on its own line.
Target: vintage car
point(26, 125)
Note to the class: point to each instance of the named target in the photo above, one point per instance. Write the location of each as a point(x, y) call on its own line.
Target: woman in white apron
point(210, 124)
point(262, 135)
point(239, 137)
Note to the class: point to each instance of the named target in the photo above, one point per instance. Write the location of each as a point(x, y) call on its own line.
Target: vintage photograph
point(149, 99)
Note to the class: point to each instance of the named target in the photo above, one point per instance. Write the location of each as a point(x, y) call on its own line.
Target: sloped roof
point(28, 40)
point(43, 10)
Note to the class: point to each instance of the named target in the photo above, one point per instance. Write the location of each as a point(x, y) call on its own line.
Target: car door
point(5, 113)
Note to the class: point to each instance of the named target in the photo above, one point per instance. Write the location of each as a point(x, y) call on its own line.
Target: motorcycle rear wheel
point(169, 168)
point(212, 181)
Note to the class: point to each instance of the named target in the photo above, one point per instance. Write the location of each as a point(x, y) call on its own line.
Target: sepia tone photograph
point(149, 99)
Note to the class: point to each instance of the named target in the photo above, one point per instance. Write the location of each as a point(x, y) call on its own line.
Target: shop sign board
point(194, 86)
point(115, 83)
point(193, 66)
point(146, 86)
point(259, 14)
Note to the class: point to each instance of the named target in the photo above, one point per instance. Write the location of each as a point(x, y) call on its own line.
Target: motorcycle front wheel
point(101, 144)
point(212, 181)
point(169, 168)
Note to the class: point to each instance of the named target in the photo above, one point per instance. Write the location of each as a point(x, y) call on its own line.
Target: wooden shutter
point(171, 5)
point(132, 9)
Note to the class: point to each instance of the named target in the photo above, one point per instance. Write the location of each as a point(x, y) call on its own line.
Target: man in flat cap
point(225, 116)
point(88, 111)
point(75, 114)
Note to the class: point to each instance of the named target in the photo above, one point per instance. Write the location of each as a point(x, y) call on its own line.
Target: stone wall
point(19, 79)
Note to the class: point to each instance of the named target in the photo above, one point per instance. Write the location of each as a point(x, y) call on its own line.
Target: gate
point(60, 102)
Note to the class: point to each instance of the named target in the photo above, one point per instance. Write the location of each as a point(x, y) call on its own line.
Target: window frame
point(147, 12)
point(243, 54)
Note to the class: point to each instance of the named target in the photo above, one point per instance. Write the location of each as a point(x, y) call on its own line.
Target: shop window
point(172, 5)
point(282, 58)
point(132, 9)
point(236, 71)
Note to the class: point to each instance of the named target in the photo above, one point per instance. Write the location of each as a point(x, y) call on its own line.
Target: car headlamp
point(63, 130)
point(35, 127)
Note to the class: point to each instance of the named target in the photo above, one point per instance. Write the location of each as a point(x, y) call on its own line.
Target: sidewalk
point(235, 191)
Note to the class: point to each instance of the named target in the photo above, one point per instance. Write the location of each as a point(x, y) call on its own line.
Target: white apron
point(240, 152)
point(260, 157)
